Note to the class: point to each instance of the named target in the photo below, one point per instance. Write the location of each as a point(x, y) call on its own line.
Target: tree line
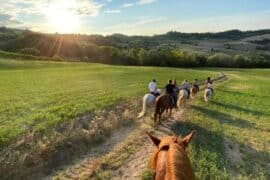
point(124, 50)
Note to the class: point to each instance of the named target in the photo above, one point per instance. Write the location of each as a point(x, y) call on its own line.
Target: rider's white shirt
point(152, 86)
point(209, 85)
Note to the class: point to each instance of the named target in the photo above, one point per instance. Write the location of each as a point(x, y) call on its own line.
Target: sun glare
point(61, 16)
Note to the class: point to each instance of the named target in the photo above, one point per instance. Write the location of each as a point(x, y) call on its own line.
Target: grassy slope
point(233, 131)
point(36, 94)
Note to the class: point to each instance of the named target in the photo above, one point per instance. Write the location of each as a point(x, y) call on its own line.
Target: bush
point(30, 51)
point(220, 60)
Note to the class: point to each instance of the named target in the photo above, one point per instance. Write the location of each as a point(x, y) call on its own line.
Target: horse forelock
point(177, 162)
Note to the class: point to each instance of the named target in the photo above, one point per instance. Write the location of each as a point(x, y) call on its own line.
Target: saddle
point(171, 97)
point(212, 90)
point(155, 94)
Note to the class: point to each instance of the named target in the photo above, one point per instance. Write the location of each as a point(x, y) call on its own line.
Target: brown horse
point(163, 102)
point(194, 90)
point(170, 160)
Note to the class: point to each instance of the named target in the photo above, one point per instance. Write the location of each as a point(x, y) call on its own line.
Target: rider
point(170, 90)
point(195, 83)
point(153, 87)
point(208, 84)
point(176, 88)
point(185, 85)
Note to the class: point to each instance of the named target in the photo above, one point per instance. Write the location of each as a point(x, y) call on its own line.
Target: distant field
point(36, 94)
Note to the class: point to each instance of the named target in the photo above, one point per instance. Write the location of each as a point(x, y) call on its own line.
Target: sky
point(134, 17)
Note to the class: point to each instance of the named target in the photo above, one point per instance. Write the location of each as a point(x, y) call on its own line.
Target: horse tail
point(144, 109)
point(157, 109)
point(206, 95)
point(192, 92)
point(181, 99)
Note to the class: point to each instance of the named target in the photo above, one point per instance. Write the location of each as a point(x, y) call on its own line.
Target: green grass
point(238, 118)
point(36, 95)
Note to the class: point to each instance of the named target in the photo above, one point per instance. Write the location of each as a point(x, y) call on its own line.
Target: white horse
point(149, 100)
point(183, 95)
point(207, 94)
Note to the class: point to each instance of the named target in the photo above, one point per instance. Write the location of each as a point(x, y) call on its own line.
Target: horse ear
point(188, 138)
point(154, 139)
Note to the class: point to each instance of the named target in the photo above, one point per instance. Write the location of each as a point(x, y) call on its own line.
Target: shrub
point(30, 51)
point(220, 60)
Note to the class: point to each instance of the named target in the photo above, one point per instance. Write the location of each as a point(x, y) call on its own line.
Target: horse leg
point(184, 102)
point(156, 113)
point(160, 113)
point(170, 112)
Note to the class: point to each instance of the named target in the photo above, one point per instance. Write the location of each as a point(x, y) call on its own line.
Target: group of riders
point(172, 88)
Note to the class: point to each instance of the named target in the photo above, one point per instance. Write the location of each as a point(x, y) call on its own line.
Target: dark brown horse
point(163, 102)
point(194, 90)
point(170, 160)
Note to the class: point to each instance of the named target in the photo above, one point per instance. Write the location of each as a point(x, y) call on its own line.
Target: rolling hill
point(143, 50)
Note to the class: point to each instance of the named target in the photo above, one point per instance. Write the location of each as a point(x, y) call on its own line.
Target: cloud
point(8, 20)
point(79, 7)
point(143, 2)
point(126, 5)
point(112, 11)
point(138, 3)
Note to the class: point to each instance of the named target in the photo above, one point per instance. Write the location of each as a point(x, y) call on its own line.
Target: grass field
point(36, 95)
point(233, 131)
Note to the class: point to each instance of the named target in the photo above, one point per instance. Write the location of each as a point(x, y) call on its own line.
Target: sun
point(61, 16)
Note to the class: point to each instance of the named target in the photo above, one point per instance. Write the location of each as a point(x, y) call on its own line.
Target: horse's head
point(178, 140)
point(170, 157)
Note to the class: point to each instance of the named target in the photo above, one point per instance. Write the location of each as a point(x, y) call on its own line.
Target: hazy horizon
point(134, 17)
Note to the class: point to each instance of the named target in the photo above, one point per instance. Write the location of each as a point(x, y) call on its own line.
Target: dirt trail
point(138, 162)
point(134, 163)
point(131, 168)
point(88, 161)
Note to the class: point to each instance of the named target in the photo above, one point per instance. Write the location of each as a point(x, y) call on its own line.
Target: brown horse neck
point(161, 170)
point(179, 164)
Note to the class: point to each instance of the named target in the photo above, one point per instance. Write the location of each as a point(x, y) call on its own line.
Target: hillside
point(158, 50)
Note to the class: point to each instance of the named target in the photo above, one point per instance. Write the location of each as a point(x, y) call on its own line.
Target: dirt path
point(124, 155)
point(138, 162)
point(131, 167)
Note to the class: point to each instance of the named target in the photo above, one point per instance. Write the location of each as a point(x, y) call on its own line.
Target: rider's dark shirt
point(170, 88)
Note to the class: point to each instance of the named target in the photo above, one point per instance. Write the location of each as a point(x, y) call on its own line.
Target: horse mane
point(177, 163)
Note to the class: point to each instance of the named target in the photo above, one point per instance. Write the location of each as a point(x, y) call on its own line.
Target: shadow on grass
point(239, 108)
point(244, 94)
point(225, 118)
point(209, 158)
